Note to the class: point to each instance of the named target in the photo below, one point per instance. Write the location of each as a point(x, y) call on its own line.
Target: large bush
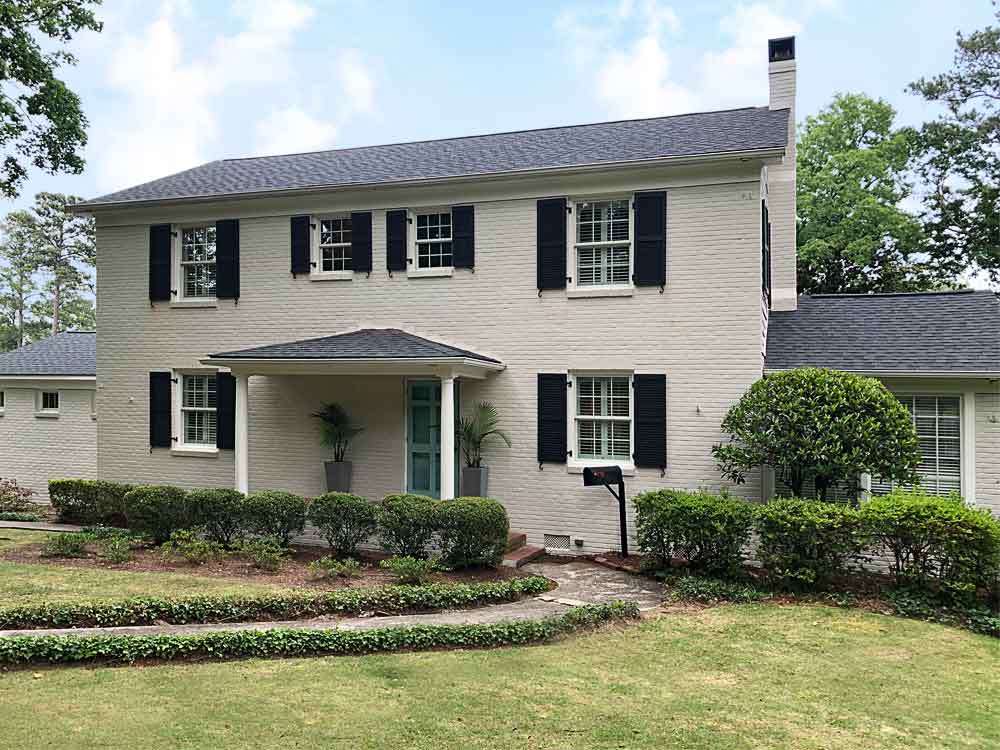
point(343, 519)
point(935, 541)
point(157, 511)
point(818, 425)
point(278, 514)
point(805, 543)
point(13, 497)
point(703, 531)
point(89, 501)
point(406, 524)
point(221, 511)
point(473, 531)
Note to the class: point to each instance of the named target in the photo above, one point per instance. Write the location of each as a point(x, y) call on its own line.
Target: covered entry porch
point(374, 363)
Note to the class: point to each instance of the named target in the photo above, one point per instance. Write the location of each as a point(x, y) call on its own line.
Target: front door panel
point(424, 437)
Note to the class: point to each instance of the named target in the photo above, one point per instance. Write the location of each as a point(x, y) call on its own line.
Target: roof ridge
point(870, 295)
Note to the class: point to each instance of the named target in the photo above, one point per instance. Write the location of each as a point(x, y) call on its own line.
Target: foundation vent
point(557, 542)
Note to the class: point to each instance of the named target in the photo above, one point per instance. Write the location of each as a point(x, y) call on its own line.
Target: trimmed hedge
point(473, 531)
point(89, 501)
point(157, 511)
point(282, 642)
point(344, 520)
point(406, 524)
point(278, 606)
point(276, 514)
point(221, 511)
point(705, 532)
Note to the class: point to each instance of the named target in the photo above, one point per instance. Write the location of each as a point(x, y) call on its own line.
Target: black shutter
point(361, 241)
point(649, 404)
point(551, 237)
point(463, 236)
point(225, 411)
point(160, 385)
point(552, 418)
point(650, 239)
point(159, 262)
point(227, 259)
point(301, 241)
point(395, 240)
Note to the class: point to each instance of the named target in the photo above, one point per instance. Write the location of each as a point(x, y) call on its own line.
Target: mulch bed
point(293, 572)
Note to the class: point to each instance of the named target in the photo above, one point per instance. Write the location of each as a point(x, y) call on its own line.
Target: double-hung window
point(603, 417)
point(197, 262)
point(49, 401)
point(198, 410)
point(335, 245)
point(433, 240)
point(938, 421)
point(603, 242)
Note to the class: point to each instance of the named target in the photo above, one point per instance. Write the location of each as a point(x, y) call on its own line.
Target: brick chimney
point(781, 178)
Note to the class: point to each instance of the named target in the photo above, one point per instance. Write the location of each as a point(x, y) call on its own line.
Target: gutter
point(974, 374)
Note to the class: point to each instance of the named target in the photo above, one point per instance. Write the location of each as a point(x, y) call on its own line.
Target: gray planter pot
point(474, 481)
point(338, 476)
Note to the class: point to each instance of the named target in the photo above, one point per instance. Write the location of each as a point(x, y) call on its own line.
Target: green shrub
point(13, 497)
point(919, 604)
point(93, 501)
point(343, 519)
point(807, 543)
point(713, 591)
point(221, 511)
point(116, 548)
point(191, 546)
point(66, 544)
point(410, 569)
point(705, 532)
point(331, 567)
point(23, 517)
point(473, 531)
point(935, 541)
point(277, 514)
point(406, 524)
point(157, 511)
point(265, 552)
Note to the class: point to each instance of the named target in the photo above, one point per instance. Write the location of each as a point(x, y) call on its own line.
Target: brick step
point(522, 556)
point(516, 540)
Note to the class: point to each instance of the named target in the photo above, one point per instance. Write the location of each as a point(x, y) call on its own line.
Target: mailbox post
point(609, 476)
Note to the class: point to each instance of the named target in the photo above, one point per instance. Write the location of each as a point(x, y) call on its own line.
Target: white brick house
point(607, 286)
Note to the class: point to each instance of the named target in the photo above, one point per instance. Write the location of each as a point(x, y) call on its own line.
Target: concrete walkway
point(579, 583)
point(39, 526)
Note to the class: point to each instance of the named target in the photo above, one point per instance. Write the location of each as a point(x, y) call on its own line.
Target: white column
point(969, 446)
point(447, 438)
point(242, 435)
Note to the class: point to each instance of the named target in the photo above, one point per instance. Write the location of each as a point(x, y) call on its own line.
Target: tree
point(41, 122)
point(960, 162)
point(853, 236)
point(18, 285)
point(820, 425)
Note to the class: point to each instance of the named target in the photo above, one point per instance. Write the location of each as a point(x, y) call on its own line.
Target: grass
point(747, 676)
point(29, 583)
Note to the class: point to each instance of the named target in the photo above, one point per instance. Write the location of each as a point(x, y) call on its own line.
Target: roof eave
point(764, 153)
point(944, 374)
point(467, 366)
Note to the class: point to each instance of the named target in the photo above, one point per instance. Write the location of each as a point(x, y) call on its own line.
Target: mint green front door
point(423, 431)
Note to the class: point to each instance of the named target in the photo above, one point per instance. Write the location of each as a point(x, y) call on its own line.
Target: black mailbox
point(601, 475)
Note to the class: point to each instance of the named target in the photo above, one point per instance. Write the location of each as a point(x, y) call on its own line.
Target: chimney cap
point(781, 49)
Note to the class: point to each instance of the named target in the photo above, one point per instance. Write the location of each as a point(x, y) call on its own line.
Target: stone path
point(579, 583)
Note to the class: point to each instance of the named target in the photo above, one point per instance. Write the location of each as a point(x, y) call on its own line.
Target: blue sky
point(172, 83)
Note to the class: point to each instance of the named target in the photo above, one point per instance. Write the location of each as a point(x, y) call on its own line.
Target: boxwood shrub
point(343, 519)
point(473, 531)
point(702, 531)
point(221, 511)
point(89, 501)
point(406, 524)
point(277, 514)
point(157, 511)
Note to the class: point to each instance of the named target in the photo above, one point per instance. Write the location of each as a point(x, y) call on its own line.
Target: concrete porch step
point(516, 540)
point(522, 555)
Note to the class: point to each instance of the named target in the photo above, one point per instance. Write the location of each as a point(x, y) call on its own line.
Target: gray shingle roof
point(66, 353)
point(735, 130)
point(368, 343)
point(945, 332)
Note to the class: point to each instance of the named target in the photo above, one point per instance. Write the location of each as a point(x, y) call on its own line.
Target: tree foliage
point(41, 121)
point(818, 425)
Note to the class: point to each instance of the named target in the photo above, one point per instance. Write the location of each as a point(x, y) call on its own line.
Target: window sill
point(47, 415)
point(599, 291)
point(429, 273)
point(577, 466)
point(195, 452)
point(194, 303)
point(332, 276)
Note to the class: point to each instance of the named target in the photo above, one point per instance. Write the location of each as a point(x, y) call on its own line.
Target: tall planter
point(474, 481)
point(338, 475)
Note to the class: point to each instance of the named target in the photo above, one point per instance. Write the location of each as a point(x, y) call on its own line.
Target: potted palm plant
point(336, 432)
point(472, 433)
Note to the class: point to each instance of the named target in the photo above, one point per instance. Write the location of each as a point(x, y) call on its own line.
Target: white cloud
point(357, 81)
point(291, 129)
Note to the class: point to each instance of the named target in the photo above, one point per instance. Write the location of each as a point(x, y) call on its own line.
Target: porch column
point(242, 444)
point(447, 437)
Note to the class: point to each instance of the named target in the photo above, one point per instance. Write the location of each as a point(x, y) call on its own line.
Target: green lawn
point(36, 584)
point(751, 676)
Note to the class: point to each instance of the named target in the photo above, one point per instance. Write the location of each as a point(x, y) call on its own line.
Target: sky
point(170, 84)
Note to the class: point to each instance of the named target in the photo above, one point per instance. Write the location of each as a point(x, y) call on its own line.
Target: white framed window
point(194, 266)
point(938, 421)
point(48, 401)
point(196, 417)
point(600, 419)
point(332, 247)
point(432, 237)
point(600, 234)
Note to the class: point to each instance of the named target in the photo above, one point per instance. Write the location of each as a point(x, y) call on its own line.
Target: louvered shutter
point(552, 418)
point(301, 230)
point(551, 243)
point(463, 236)
point(649, 406)
point(650, 239)
point(227, 259)
point(395, 240)
point(361, 241)
point(160, 386)
point(225, 411)
point(160, 238)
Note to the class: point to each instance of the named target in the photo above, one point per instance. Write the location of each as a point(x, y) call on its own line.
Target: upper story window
point(198, 409)
point(335, 244)
point(603, 417)
point(197, 262)
point(603, 242)
point(433, 238)
point(48, 401)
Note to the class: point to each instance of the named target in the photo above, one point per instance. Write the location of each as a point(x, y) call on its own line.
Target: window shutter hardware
point(312, 226)
point(173, 439)
point(173, 292)
point(569, 208)
point(312, 264)
point(175, 381)
point(174, 235)
point(409, 219)
point(569, 279)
